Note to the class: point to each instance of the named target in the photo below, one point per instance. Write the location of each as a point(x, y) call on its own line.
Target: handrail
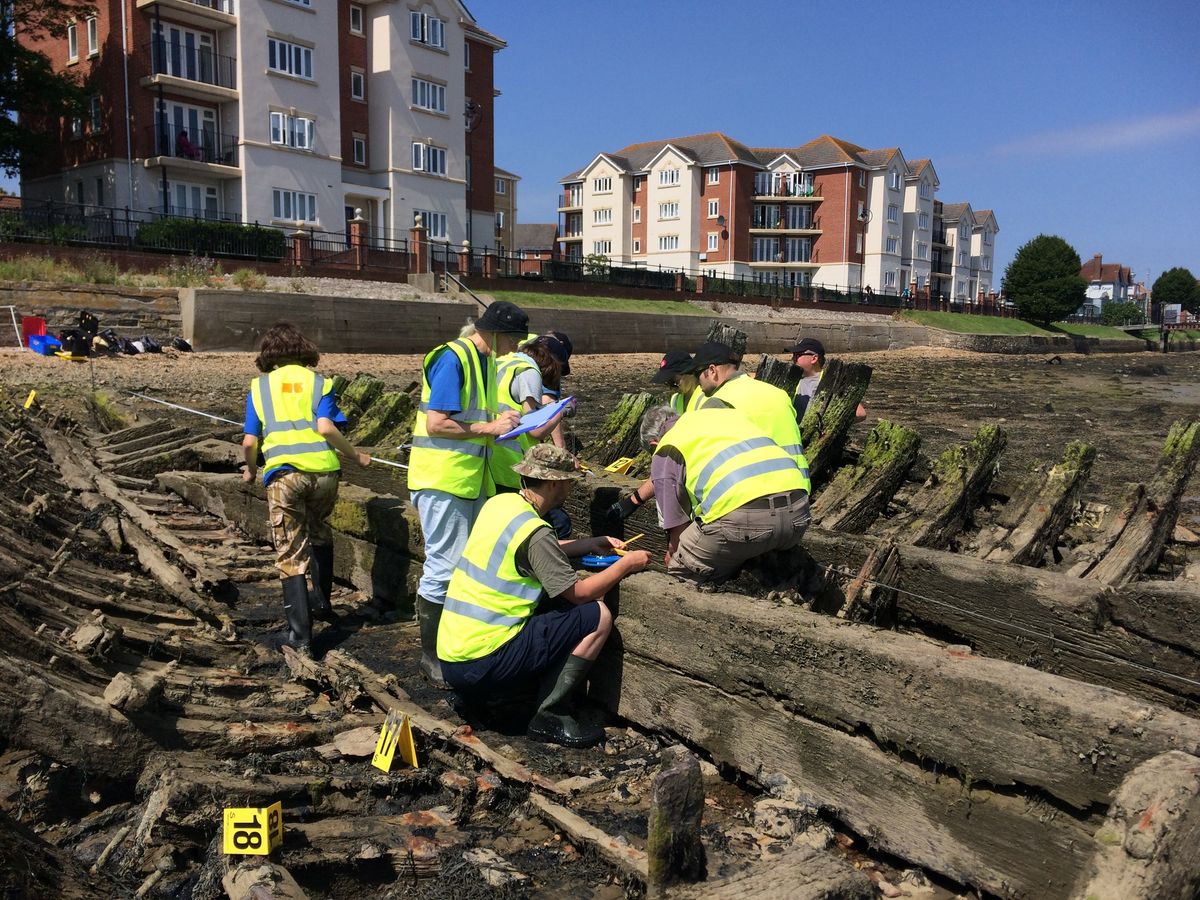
point(458, 281)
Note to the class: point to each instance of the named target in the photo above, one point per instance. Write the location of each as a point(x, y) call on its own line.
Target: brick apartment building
point(284, 112)
point(826, 212)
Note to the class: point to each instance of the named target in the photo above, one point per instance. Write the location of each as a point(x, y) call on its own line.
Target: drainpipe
point(128, 125)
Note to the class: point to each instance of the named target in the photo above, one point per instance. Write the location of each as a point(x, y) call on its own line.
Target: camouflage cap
point(549, 463)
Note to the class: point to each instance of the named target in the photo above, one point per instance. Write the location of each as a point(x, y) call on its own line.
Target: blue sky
point(1074, 118)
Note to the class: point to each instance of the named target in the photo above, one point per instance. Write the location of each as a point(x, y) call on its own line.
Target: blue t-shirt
point(326, 409)
point(445, 376)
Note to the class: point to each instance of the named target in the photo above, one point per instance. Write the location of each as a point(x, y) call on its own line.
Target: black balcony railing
point(937, 267)
point(939, 235)
point(186, 212)
point(191, 63)
point(201, 144)
point(569, 200)
point(218, 5)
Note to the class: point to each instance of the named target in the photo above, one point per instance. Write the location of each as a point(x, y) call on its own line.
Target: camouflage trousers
point(298, 504)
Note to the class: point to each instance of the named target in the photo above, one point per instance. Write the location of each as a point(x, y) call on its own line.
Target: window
point(501, 186)
point(861, 207)
point(356, 19)
point(72, 43)
point(92, 36)
point(714, 175)
point(301, 2)
point(668, 210)
point(962, 257)
point(294, 205)
point(713, 240)
point(987, 237)
point(920, 282)
point(893, 212)
point(891, 245)
point(985, 263)
point(638, 180)
point(428, 158)
point(714, 207)
point(762, 184)
point(798, 217)
point(668, 177)
point(922, 250)
point(602, 216)
point(923, 221)
point(428, 30)
point(602, 247)
point(427, 95)
point(668, 241)
point(358, 84)
point(637, 214)
point(79, 192)
point(962, 288)
point(466, 54)
point(99, 191)
point(637, 245)
point(797, 250)
point(97, 120)
point(858, 243)
point(926, 191)
point(499, 220)
point(602, 185)
point(289, 58)
point(889, 279)
point(764, 249)
point(360, 150)
point(297, 132)
point(434, 223)
point(895, 182)
point(862, 178)
point(76, 126)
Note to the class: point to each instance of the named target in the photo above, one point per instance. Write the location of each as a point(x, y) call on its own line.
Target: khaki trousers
point(714, 551)
point(298, 504)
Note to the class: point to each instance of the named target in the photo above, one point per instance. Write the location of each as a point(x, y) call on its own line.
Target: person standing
point(291, 411)
point(449, 477)
point(490, 639)
point(808, 355)
point(561, 348)
point(727, 492)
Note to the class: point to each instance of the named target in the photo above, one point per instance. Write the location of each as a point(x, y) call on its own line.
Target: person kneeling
point(489, 639)
point(727, 492)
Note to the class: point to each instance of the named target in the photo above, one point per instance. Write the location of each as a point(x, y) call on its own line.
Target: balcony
point(570, 201)
point(201, 151)
point(202, 13)
point(939, 236)
point(799, 191)
point(189, 71)
point(937, 267)
point(188, 212)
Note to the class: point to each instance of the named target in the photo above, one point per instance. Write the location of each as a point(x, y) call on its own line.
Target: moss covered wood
point(388, 421)
point(858, 494)
point(620, 435)
point(831, 412)
point(731, 337)
point(1039, 511)
point(783, 375)
point(357, 396)
point(960, 476)
point(674, 851)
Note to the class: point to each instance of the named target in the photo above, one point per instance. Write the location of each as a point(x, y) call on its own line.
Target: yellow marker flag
point(408, 749)
point(396, 733)
point(621, 466)
point(253, 831)
point(29, 400)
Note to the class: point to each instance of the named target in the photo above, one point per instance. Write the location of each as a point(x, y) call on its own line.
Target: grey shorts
point(713, 551)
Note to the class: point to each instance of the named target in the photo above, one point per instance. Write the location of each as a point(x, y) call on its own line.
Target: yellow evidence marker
point(621, 466)
point(29, 400)
point(253, 831)
point(396, 733)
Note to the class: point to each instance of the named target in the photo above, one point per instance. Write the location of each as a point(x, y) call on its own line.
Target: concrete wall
point(233, 320)
point(132, 312)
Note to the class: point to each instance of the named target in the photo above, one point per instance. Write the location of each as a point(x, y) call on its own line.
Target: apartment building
point(505, 210)
point(282, 112)
point(827, 212)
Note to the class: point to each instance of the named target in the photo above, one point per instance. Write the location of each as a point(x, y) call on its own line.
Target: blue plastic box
point(44, 344)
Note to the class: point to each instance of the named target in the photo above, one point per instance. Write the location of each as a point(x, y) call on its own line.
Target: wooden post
point(418, 248)
point(783, 375)
point(731, 337)
point(831, 412)
point(859, 493)
point(674, 852)
point(358, 239)
point(620, 435)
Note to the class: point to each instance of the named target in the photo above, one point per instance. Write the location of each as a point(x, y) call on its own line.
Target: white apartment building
point(983, 251)
point(920, 184)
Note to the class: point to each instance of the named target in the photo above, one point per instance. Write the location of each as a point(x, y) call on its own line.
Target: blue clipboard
point(537, 418)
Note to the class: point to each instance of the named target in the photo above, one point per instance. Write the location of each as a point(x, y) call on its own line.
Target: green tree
point(1122, 314)
point(1043, 280)
point(1177, 285)
point(596, 264)
point(28, 83)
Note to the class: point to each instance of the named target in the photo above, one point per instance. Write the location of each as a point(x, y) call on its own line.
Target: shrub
point(202, 237)
point(99, 269)
point(249, 280)
point(1121, 314)
point(39, 268)
point(194, 271)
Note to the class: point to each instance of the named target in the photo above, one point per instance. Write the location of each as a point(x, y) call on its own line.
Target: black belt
point(775, 500)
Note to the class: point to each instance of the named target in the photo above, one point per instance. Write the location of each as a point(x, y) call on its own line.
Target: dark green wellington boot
point(321, 569)
point(555, 721)
point(429, 614)
point(295, 610)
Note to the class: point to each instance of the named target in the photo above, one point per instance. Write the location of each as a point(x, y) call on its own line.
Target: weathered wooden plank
point(1037, 514)
point(782, 374)
point(859, 493)
point(799, 873)
point(830, 413)
point(1167, 612)
point(959, 478)
point(620, 435)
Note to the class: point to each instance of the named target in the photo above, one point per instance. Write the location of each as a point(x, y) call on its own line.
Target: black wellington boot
point(429, 614)
point(321, 569)
point(295, 610)
point(555, 721)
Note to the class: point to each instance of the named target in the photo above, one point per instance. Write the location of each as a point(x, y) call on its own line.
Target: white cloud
point(1117, 134)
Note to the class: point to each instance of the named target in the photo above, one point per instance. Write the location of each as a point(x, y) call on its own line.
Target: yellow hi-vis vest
point(458, 467)
point(728, 461)
point(488, 600)
point(695, 401)
point(770, 409)
point(506, 454)
point(286, 402)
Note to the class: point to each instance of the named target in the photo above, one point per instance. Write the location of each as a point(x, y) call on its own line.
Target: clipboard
point(537, 418)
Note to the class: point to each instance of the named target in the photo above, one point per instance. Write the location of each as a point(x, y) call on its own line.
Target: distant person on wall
point(291, 412)
point(184, 146)
point(809, 357)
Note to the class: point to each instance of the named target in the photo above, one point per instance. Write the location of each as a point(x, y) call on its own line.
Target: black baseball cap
point(561, 349)
point(808, 345)
point(675, 362)
point(503, 317)
point(714, 353)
